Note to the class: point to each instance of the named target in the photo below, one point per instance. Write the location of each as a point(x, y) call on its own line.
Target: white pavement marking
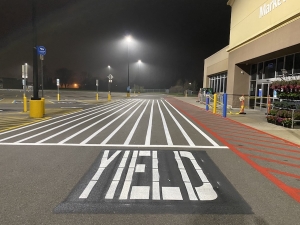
point(148, 135)
point(88, 189)
point(55, 118)
point(121, 125)
point(105, 161)
point(206, 191)
point(193, 125)
point(140, 192)
point(98, 131)
point(140, 168)
point(171, 193)
point(188, 139)
point(135, 126)
point(155, 177)
point(117, 145)
point(112, 189)
point(76, 125)
point(167, 133)
point(128, 179)
point(49, 124)
point(144, 153)
point(186, 179)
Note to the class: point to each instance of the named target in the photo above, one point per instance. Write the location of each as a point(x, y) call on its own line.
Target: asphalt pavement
point(148, 159)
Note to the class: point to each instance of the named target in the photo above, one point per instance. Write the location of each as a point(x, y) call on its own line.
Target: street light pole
point(139, 62)
point(35, 65)
point(108, 80)
point(128, 38)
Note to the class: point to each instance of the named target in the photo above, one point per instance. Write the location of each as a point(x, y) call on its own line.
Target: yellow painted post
point(24, 103)
point(36, 109)
point(108, 97)
point(57, 97)
point(215, 104)
point(97, 96)
point(43, 104)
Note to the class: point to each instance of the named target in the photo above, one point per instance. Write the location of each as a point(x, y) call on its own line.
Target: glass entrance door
point(262, 92)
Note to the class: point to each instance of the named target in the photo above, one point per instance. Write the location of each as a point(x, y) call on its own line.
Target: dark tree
point(65, 76)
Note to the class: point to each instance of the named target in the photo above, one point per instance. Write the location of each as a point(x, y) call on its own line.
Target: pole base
point(128, 95)
point(36, 109)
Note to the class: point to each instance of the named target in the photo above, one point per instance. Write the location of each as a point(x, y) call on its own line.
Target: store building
point(264, 46)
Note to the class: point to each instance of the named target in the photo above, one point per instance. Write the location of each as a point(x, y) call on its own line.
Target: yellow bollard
point(24, 104)
point(215, 104)
point(128, 94)
point(108, 97)
point(57, 97)
point(36, 109)
point(97, 96)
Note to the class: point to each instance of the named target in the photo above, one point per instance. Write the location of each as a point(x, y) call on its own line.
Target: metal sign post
point(24, 76)
point(42, 74)
point(110, 77)
point(97, 96)
point(41, 51)
point(57, 83)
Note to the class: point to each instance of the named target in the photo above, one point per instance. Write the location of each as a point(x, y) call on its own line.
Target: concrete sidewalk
point(255, 119)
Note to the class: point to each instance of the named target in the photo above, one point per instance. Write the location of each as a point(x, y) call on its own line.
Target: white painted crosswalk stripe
point(61, 131)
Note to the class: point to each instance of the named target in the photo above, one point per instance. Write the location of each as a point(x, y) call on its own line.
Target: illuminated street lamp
point(109, 80)
point(110, 77)
point(128, 39)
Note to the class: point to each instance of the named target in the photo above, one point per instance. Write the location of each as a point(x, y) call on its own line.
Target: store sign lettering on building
point(268, 7)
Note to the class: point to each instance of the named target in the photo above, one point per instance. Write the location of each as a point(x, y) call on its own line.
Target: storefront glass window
point(218, 82)
point(260, 70)
point(279, 66)
point(289, 60)
point(253, 71)
point(269, 68)
point(297, 63)
point(252, 88)
point(222, 84)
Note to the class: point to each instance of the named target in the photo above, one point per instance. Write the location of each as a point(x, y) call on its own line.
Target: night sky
point(172, 38)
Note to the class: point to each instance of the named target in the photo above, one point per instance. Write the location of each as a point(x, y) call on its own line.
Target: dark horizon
point(172, 38)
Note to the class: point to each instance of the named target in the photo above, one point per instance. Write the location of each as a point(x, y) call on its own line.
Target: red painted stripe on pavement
point(265, 146)
point(270, 153)
point(274, 161)
point(220, 130)
point(290, 191)
point(241, 124)
point(254, 139)
point(283, 173)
